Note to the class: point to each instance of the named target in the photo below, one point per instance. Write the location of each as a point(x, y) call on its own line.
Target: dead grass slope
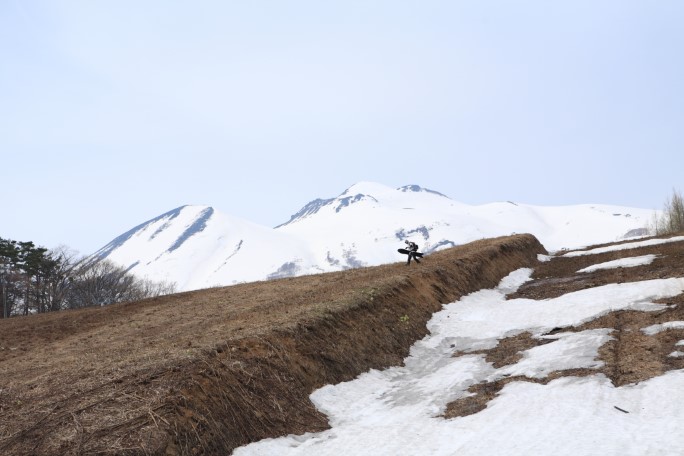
point(204, 372)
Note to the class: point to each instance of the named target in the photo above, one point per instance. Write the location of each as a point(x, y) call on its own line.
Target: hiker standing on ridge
point(412, 248)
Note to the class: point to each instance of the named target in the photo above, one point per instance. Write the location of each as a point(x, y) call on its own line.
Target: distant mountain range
point(199, 247)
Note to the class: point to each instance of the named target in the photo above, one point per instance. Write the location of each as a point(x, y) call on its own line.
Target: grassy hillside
point(203, 372)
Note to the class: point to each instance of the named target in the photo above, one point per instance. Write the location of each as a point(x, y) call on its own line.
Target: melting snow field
point(398, 411)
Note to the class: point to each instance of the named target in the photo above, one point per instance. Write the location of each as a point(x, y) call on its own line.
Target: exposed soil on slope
point(559, 276)
point(631, 357)
point(204, 372)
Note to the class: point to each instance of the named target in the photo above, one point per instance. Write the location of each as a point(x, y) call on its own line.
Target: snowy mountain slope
point(198, 247)
point(368, 221)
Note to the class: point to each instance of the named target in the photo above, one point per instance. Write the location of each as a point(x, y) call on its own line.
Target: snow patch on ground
point(621, 263)
point(655, 329)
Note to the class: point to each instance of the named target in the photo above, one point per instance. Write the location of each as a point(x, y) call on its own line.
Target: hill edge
point(257, 385)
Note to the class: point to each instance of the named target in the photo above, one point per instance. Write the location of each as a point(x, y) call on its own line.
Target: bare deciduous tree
point(672, 219)
point(102, 283)
point(60, 278)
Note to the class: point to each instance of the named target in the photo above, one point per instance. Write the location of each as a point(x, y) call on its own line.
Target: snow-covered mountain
point(198, 247)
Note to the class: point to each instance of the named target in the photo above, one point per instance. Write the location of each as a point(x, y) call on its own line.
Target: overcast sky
point(112, 113)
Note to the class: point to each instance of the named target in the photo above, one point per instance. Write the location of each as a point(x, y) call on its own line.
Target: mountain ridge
point(362, 226)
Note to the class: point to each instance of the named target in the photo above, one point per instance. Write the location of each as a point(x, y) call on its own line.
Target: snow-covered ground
point(398, 411)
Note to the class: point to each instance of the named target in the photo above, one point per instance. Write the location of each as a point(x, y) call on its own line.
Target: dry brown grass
point(206, 371)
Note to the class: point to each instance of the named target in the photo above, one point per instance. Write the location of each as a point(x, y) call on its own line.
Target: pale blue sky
point(112, 113)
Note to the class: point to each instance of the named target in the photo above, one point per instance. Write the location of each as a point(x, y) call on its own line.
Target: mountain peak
point(357, 192)
point(419, 189)
point(361, 191)
point(194, 220)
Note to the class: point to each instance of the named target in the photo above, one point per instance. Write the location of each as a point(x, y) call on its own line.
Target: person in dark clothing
point(412, 247)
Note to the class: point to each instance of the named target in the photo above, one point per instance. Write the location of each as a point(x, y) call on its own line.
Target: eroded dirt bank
point(204, 372)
